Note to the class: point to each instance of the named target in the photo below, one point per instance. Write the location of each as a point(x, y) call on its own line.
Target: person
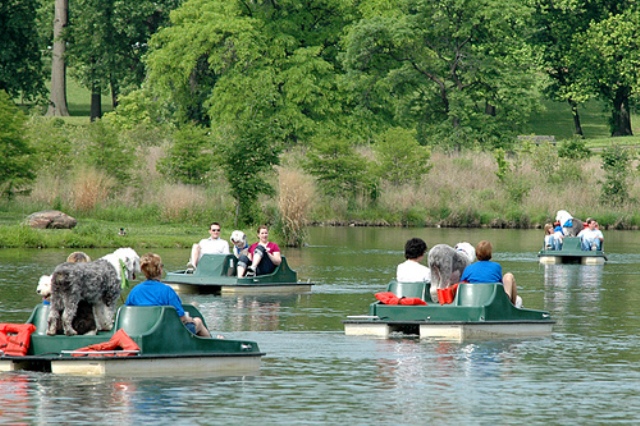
point(488, 272)
point(263, 257)
point(558, 236)
point(548, 237)
point(212, 245)
point(591, 237)
point(78, 257)
point(152, 292)
point(412, 270)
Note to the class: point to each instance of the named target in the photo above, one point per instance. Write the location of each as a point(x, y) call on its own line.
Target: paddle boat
point(216, 273)
point(145, 341)
point(476, 311)
point(572, 252)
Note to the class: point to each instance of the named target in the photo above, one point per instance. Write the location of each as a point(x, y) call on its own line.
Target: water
point(586, 372)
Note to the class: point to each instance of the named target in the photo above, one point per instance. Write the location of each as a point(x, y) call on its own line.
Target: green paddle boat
point(477, 311)
point(572, 252)
point(162, 347)
point(216, 273)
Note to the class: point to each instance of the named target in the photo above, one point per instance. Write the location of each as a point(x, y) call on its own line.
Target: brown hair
point(548, 227)
point(483, 250)
point(78, 257)
point(151, 265)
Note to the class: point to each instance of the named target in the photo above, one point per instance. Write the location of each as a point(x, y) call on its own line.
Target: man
point(591, 237)
point(412, 270)
point(212, 245)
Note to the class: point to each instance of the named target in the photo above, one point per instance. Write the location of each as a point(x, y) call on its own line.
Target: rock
point(51, 219)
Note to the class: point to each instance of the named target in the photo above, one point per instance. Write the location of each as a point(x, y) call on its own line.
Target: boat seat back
point(139, 320)
point(571, 244)
point(214, 264)
point(477, 294)
point(415, 289)
point(40, 318)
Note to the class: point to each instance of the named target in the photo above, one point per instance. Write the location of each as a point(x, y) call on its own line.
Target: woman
point(263, 258)
point(152, 292)
point(486, 272)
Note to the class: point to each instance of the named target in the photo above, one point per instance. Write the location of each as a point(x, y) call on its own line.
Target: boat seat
point(214, 264)
point(477, 294)
point(40, 318)
point(139, 320)
point(415, 289)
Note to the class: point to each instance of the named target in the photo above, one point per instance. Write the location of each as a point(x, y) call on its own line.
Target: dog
point(84, 322)
point(571, 226)
point(239, 241)
point(98, 283)
point(447, 264)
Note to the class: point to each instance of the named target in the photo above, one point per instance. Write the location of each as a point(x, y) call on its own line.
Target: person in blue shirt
point(152, 292)
point(484, 271)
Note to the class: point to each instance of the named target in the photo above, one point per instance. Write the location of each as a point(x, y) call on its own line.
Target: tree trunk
point(96, 102)
point(576, 117)
point(58, 96)
point(621, 117)
point(115, 92)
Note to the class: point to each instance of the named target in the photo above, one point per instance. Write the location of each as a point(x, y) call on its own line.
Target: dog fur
point(98, 283)
point(447, 264)
point(84, 322)
point(239, 241)
point(576, 224)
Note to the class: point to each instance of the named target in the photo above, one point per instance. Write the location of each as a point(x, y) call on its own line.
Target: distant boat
point(216, 273)
point(477, 311)
point(572, 253)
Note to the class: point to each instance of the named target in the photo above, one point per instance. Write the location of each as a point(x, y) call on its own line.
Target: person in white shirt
point(412, 270)
point(212, 245)
point(591, 237)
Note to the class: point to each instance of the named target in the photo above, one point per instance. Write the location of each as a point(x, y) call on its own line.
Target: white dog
point(98, 283)
point(239, 241)
point(447, 264)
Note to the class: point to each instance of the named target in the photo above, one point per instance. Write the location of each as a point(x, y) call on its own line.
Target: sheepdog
point(84, 321)
point(571, 226)
point(447, 263)
point(239, 241)
point(98, 283)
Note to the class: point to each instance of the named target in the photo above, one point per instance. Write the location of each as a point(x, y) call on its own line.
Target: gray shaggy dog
point(97, 283)
point(447, 264)
point(84, 322)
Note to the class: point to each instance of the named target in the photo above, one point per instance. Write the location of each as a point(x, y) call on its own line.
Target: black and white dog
point(447, 264)
point(98, 283)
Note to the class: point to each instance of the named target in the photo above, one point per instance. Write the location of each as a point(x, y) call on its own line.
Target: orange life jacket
point(15, 338)
point(119, 341)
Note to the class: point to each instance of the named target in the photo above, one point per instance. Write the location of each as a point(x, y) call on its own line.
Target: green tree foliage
point(189, 159)
point(105, 149)
point(107, 39)
point(338, 168)
point(616, 163)
point(458, 69)
point(16, 161)
point(21, 70)
point(400, 158)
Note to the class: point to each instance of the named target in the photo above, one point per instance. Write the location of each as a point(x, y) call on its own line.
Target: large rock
point(51, 219)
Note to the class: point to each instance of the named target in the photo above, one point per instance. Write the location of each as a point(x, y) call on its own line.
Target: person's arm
point(275, 257)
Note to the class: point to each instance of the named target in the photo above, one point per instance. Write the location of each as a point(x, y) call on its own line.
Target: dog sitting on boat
point(239, 241)
point(84, 322)
point(98, 283)
point(571, 226)
point(447, 264)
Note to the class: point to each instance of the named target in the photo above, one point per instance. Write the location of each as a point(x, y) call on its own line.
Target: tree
point(458, 70)
point(16, 161)
point(400, 158)
point(21, 70)
point(189, 159)
point(58, 95)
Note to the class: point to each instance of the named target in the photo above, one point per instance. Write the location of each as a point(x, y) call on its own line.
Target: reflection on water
point(585, 373)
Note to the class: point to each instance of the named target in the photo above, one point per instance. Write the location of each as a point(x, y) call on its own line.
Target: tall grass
point(296, 193)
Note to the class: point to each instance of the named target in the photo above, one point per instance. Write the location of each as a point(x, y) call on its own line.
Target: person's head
point(591, 223)
point(151, 266)
point(484, 250)
point(548, 229)
point(214, 230)
point(414, 248)
point(263, 233)
point(78, 257)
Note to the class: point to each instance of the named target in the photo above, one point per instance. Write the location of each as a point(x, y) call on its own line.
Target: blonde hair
point(548, 227)
point(151, 266)
point(78, 257)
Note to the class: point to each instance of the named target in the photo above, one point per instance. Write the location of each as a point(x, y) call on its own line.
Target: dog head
point(44, 286)
point(466, 249)
point(130, 259)
point(238, 238)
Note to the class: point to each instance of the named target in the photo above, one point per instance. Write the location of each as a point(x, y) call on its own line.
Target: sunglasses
point(215, 230)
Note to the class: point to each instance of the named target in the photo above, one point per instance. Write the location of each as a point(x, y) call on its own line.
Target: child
point(558, 236)
point(548, 237)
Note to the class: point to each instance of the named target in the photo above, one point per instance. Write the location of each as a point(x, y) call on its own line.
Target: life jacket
point(120, 341)
point(15, 338)
point(388, 298)
point(446, 295)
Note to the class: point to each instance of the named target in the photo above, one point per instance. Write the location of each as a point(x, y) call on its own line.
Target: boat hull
point(477, 311)
point(216, 275)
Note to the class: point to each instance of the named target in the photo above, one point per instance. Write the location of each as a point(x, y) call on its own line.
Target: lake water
point(586, 372)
